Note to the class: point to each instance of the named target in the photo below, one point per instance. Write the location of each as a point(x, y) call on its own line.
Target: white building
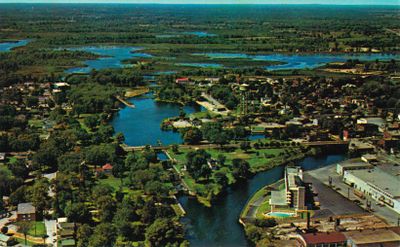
point(294, 194)
point(377, 183)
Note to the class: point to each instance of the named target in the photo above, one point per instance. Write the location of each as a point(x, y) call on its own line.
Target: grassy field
point(37, 229)
point(133, 92)
point(259, 159)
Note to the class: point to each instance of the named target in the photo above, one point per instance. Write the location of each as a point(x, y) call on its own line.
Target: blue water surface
point(8, 46)
point(112, 57)
point(218, 226)
point(141, 125)
point(300, 61)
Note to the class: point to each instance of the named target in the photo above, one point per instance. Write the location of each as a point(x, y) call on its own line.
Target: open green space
point(36, 228)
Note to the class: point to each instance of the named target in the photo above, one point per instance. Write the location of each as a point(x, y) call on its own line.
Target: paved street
point(4, 221)
point(51, 229)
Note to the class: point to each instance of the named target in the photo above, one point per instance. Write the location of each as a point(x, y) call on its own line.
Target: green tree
point(91, 121)
point(83, 235)
point(24, 228)
point(193, 136)
point(197, 165)
point(164, 232)
point(240, 169)
point(39, 195)
point(103, 236)
point(107, 207)
point(221, 179)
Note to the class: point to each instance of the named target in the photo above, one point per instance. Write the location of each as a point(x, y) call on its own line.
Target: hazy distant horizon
point(252, 2)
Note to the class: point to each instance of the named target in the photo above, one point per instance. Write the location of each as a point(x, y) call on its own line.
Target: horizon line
point(156, 3)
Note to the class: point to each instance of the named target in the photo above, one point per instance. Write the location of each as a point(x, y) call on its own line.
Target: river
point(8, 46)
point(141, 125)
point(114, 57)
point(218, 225)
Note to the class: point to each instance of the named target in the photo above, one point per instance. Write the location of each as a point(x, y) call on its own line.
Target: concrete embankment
point(128, 104)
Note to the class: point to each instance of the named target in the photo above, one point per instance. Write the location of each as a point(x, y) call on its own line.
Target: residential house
point(26, 212)
point(106, 169)
point(183, 80)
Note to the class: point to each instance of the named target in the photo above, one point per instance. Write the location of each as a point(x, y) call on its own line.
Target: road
point(392, 31)
point(4, 221)
point(51, 229)
point(343, 190)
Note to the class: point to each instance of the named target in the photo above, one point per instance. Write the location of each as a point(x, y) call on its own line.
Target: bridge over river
point(234, 145)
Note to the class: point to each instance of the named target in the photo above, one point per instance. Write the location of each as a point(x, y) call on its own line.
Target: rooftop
point(371, 236)
point(324, 237)
point(26, 208)
point(278, 198)
point(381, 179)
point(107, 166)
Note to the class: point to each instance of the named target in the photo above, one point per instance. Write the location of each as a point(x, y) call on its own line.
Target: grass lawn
point(36, 123)
point(133, 92)
point(114, 182)
point(259, 160)
point(12, 160)
point(256, 158)
point(264, 207)
point(37, 229)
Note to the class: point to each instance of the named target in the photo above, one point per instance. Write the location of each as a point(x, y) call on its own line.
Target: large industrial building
point(380, 183)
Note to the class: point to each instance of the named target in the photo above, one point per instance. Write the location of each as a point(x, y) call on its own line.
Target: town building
point(373, 237)
point(294, 194)
point(323, 239)
point(183, 80)
point(352, 164)
point(106, 169)
point(26, 212)
point(382, 185)
point(295, 188)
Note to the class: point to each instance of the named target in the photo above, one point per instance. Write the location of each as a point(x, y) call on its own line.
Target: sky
point(342, 2)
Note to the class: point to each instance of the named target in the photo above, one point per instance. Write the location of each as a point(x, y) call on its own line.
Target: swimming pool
point(280, 214)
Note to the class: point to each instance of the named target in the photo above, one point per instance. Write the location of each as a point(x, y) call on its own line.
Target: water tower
point(244, 101)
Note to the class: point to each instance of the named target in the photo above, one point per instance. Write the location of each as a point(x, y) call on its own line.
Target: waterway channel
point(218, 225)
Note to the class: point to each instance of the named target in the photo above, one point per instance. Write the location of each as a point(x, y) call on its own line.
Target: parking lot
point(340, 199)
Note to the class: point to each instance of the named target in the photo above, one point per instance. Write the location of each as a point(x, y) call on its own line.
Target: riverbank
point(134, 92)
point(218, 225)
point(259, 160)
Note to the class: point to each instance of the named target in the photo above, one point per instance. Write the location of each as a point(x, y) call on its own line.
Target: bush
point(265, 222)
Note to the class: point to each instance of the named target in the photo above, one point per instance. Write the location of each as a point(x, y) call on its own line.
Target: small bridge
point(140, 148)
point(326, 143)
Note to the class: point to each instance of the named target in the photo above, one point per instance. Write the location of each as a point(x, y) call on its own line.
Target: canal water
point(7, 46)
point(112, 57)
point(303, 61)
point(141, 125)
point(218, 226)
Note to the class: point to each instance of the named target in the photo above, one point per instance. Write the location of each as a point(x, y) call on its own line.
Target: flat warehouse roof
point(381, 179)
